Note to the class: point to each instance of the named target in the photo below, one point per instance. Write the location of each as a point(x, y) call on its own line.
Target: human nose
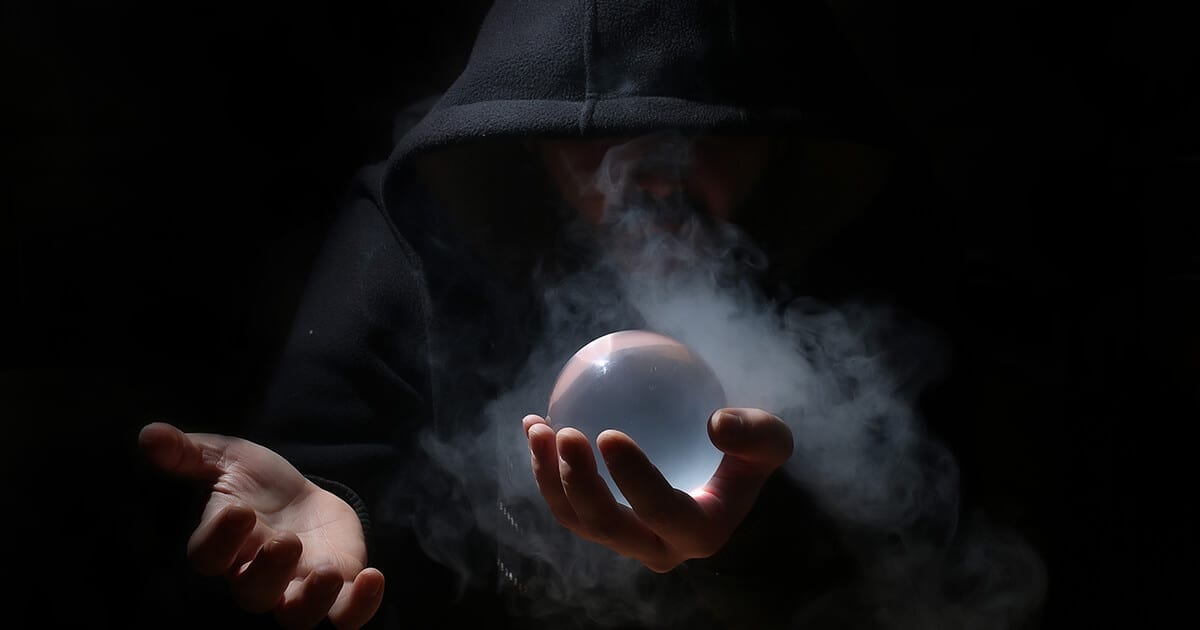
point(659, 185)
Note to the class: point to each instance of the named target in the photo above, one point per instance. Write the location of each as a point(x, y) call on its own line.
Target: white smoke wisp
point(844, 378)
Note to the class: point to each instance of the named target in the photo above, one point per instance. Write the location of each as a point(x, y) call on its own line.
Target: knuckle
point(600, 536)
point(603, 531)
point(653, 513)
point(571, 478)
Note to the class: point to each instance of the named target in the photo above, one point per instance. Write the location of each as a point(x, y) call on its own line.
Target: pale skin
point(288, 547)
point(663, 526)
point(283, 544)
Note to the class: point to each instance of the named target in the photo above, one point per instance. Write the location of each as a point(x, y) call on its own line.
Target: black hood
point(577, 68)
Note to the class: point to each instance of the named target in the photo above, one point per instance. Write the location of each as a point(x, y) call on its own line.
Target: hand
point(664, 526)
point(284, 544)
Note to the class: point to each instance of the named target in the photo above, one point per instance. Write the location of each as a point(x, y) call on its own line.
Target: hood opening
point(495, 199)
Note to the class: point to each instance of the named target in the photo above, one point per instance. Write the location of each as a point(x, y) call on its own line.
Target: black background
point(168, 169)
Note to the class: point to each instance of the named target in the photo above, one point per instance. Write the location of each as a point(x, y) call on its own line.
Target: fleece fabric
point(406, 329)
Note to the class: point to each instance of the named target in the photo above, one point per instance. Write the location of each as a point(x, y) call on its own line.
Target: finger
point(306, 602)
point(543, 457)
point(753, 436)
point(670, 513)
point(259, 585)
point(196, 456)
point(601, 518)
point(755, 444)
point(531, 420)
point(214, 546)
point(358, 603)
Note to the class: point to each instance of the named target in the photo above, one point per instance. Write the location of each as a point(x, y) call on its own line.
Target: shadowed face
point(712, 174)
point(652, 200)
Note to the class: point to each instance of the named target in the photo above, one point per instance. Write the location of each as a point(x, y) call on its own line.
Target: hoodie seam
point(589, 46)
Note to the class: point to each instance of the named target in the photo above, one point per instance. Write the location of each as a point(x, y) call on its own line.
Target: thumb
point(755, 438)
point(755, 443)
point(194, 456)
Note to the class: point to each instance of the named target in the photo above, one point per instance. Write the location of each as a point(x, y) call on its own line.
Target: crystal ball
point(651, 387)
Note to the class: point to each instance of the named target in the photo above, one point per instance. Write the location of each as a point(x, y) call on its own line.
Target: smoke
point(844, 377)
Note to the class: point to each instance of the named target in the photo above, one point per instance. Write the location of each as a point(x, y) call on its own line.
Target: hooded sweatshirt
point(428, 304)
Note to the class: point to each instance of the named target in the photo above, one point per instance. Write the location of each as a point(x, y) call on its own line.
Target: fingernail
point(274, 551)
point(529, 438)
point(729, 423)
point(240, 519)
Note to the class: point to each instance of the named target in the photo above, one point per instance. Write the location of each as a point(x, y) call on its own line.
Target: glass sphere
point(650, 387)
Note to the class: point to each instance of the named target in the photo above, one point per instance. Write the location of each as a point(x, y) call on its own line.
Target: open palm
point(285, 544)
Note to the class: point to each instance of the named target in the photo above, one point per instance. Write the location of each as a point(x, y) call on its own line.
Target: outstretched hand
point(284, 544)
point(663, 526)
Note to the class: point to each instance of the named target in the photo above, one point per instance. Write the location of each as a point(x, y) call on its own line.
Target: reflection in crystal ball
point(650, 387)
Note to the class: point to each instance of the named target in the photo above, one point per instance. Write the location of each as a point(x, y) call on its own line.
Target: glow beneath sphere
point(650, 387)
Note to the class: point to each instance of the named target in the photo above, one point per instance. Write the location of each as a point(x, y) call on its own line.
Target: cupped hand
point(284, 544)
point(663, 526)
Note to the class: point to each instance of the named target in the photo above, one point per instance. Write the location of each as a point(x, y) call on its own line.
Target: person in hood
point(740, 130)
